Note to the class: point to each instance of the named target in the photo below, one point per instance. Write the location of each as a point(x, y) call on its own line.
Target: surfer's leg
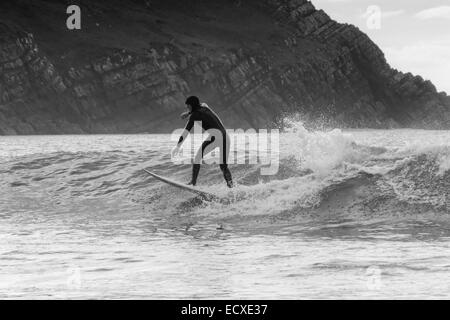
point(227, 175)
point(198, 160)
point(225, 150)
point(195, 171)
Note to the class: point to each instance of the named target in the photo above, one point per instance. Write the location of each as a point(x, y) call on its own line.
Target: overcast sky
point(414, 34)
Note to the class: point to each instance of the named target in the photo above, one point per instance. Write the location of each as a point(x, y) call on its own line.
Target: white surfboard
point(203, 194)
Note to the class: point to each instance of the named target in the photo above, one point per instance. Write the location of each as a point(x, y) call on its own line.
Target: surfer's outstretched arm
point(184, 115)
point(186, 131)
point(183, 136)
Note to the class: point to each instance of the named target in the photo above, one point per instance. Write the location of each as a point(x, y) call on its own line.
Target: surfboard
point(203, 194)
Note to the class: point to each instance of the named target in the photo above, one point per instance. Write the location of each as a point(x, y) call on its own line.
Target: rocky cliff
point(133, 63)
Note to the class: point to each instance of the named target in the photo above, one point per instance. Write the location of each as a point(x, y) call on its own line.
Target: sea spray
point(320, 151)
point(444, 165)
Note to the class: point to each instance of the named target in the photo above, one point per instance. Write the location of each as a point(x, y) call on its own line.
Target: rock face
point(131, 66)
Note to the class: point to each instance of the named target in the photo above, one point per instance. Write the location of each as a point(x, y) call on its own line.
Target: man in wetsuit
point(218, 137)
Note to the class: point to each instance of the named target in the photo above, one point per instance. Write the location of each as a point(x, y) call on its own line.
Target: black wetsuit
point(210, 121)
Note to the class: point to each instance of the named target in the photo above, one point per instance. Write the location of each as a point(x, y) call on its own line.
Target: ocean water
point(350, 214)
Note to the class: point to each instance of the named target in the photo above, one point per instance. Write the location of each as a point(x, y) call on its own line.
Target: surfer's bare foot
point(190, 183)
point(230, 184)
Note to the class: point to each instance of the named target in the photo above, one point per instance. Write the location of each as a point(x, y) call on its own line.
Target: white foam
point(267, 198)
point(444, 164)
point(321, 151)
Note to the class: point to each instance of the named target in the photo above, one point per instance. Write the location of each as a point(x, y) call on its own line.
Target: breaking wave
point(321, 174)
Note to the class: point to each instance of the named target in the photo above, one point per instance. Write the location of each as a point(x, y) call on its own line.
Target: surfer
point(218, 137)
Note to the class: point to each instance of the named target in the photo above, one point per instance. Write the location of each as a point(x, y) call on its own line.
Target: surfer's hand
point(184, 115)
point(175, 151)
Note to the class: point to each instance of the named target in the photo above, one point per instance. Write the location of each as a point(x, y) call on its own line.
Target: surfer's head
point(192, 103)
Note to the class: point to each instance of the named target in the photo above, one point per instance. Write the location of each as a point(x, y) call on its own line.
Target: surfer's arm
point(184, 115)
point(186, 130)
point(183, 136)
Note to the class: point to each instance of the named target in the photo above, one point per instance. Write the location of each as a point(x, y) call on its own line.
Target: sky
point(413, 34)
